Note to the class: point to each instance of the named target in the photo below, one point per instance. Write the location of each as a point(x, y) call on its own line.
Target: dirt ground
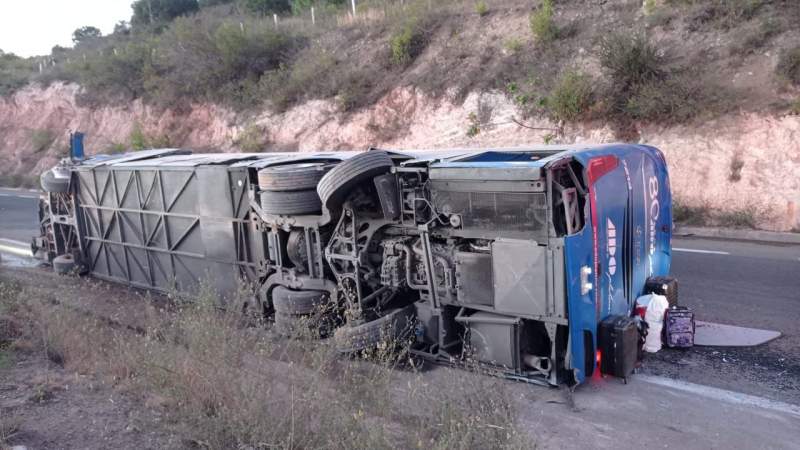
point(42, 406)
point(45, 406)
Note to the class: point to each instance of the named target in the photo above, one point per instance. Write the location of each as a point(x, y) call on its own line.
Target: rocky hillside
point(714, 84)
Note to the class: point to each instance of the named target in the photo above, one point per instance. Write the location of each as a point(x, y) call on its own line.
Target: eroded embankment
point(745, 166)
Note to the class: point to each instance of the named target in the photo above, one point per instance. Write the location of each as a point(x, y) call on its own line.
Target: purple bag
point(679, 327)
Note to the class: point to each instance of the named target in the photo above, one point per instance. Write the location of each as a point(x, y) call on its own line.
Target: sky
point(33, 27)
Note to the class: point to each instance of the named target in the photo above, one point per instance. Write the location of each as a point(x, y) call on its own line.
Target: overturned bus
point(513, 256)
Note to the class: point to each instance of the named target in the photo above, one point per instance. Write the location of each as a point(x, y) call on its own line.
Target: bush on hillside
point(202, 58)
point(541, 23)
point(645, 85)
point(676, 99)
point(410, 38)
point(301, 80)
point(725, 14)
point(481, 8)
point(116, 74)
point(572, 96)
point(789, 65)
point(159, 12)
point(14, 72)
point(41, 139)
point(265, 7)
point(755, 39)
point(631, 60)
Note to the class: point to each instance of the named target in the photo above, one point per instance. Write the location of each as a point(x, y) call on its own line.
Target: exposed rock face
point(55, 109)
point(741, 162)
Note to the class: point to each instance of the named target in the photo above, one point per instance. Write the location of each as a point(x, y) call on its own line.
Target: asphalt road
point(739, 283)
point(746, 284)
point(18, 216)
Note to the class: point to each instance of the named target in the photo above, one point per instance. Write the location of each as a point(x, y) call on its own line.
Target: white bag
point(654, 317)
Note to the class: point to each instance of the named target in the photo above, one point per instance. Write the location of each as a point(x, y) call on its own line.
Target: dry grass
point(236, 386)
point(748, 216)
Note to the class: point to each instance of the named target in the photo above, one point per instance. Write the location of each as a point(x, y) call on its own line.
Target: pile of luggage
point(657, 320)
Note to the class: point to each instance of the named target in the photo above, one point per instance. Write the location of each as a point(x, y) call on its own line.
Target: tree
point(150, 12)
point(85, 34)
point(58, 50)
point(207, 3)
point(301, 5)
point(264, 7)
point(122, 27)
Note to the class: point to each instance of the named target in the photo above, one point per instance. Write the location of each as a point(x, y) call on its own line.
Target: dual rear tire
point(291, 189)
point(303, 188)
point(302, 314)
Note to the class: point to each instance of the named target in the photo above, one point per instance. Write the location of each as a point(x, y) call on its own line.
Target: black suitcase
point(666, 286)
point(619, 346)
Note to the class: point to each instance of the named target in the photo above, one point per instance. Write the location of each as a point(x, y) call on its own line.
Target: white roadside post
point(313, 18)
point(353, 2)
point(275, 19)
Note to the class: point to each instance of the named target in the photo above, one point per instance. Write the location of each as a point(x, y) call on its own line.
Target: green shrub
point(541, 23)
point(41, 139)
point(116, 147)
point(474, 127)
point(794, 107)
point(789, 65)
point(513, 45)
point(310, 76)
point(14, 72)
point(725, 14)
point(631, 60)
point(139, 140)
point(572, 96)
point(253, 138)
point(737, 164)
point(481, 8)
point(755, 39)
point(203, 58)
point(676, 99)
point(116, 73)
point(690, 214)
point(157, 12)
point(649, 7)
point(645, 85)
point(409, 40)
point(738, 218)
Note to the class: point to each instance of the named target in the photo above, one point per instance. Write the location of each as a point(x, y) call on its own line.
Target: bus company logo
point(612, 247)
point(653, 212)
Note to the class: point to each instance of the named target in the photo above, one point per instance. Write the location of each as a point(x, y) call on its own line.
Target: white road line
point(19, 195)
point(692, 250)
point(15, 250)
point(722, 394)
point(15, 242)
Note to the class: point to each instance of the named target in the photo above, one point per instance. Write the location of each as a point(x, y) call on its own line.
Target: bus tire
point(292, 177)
point(288, 301)
point(290, 202)
point(339, 181)
point(393, 327)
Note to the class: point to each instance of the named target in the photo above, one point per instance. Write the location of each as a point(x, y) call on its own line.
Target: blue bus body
point(627, 238)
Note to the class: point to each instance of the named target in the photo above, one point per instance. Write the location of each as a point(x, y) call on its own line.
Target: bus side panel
point(652, 215)
point(581, 309)
point(597, 247)
point(660, 213)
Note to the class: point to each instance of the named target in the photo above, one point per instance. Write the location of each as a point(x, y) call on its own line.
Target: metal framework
point(146, 227)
